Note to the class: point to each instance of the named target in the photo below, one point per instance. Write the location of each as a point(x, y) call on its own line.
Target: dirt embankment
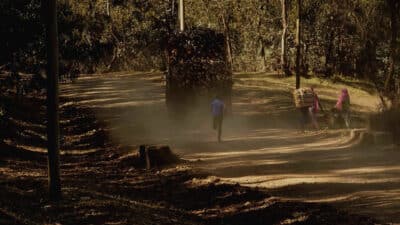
point(99, 187)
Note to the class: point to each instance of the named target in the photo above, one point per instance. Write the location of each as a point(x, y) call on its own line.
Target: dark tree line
point(350, 38)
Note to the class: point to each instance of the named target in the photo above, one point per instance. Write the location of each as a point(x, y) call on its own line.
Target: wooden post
point(53, 133)
point(181, 15)
point(298, 43)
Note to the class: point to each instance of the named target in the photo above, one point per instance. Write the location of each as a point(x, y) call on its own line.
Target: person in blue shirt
point(217, 110)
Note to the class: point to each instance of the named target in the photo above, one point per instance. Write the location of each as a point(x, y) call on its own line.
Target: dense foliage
point(350, 38)
point(92, 38)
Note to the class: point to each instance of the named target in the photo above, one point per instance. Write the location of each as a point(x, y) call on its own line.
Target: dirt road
point(261, 144)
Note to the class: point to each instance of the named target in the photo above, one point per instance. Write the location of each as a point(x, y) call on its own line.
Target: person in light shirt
point(217, 110)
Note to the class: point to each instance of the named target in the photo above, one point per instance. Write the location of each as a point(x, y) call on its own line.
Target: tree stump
point(157, 156)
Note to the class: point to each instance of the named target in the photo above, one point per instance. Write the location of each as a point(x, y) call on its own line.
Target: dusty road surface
point(261, 143)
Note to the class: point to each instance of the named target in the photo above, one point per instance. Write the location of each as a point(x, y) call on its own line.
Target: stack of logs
point(197, 69)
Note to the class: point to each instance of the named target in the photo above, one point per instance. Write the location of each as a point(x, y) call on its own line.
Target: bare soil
point(262, 147)
point(99, 187)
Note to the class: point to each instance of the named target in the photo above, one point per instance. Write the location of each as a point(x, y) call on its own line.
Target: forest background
point(355, 39)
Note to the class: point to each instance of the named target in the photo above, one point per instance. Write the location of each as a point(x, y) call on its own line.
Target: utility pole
point(181, 15)
point(53, 133)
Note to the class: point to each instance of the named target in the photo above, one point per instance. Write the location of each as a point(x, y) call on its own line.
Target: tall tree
point(108, 7)
point(284, 50)
point(394, 10)
point(181, 15)
point(228, 42)
point(53, 143)
point(298, 43)
point(224, 14)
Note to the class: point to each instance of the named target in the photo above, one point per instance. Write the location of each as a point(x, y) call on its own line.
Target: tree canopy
point(350, 38)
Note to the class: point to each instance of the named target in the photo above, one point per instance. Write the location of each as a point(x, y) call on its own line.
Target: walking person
point(343, 106)
point(217, 109)
point(310, 108)
point(314, 109)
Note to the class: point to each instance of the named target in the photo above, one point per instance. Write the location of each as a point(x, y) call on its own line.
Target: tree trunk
point(53, 144)
point(173, 16)
point(108, 7)
point(328, 53)
point(228, 44)
point(181, 15)
point(304, 60)
point(298, 43)
point(264, 55)
point(393, 4)
point(284, 57)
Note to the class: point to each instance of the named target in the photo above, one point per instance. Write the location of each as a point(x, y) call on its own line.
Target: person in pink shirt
point(343, 106)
